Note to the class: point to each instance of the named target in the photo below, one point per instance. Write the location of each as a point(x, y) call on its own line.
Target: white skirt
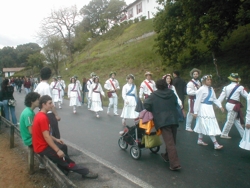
point(206, 122)
point(96, 102)
point(74, 101)
point(56, 98)
point(128, 111)
point(245, 142)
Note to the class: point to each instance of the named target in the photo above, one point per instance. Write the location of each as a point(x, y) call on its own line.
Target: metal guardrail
point(62, 180)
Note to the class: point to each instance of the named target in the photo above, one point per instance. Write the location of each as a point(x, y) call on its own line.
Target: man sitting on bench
point(26, 119)
point(53, 148)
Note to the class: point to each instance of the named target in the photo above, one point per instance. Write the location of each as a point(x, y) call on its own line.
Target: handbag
point(109, 94)
point(11, 102)
point(151, 141)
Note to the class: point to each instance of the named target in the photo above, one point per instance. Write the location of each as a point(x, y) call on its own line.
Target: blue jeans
point(12, 111)
point(27, 90)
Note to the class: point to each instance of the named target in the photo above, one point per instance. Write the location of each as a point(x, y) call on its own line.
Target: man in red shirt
point(53, 148)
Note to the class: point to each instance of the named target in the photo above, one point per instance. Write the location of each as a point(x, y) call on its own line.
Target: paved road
point(202, 166)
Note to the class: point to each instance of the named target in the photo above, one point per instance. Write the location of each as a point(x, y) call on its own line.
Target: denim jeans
point(12, 111)
point(27, 90)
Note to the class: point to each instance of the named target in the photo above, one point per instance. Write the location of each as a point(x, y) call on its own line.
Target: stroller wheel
point(135, 152)
point(122, 144)
point(155, 149)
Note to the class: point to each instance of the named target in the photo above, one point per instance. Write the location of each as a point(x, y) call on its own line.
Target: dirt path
point(14, 168)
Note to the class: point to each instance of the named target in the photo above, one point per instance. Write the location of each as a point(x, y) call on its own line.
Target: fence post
point(31, 159)
point(12, 130)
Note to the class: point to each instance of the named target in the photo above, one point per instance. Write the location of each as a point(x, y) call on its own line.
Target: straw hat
point(148, 73)
point(195, 70)
point(234, 77)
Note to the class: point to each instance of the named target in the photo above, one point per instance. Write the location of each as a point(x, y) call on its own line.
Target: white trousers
point(189, 117)
point(113, 101)
point(232, 119)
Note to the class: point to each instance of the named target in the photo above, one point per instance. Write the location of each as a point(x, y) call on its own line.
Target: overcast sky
point(20, 19)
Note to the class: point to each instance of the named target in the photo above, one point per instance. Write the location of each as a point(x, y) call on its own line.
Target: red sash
point(112, 84)
point(148, 86)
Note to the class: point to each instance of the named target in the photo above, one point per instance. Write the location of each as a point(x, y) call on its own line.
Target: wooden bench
point(62, 180)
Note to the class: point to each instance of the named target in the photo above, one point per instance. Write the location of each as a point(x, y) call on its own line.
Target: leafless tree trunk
point(61, 23)
point(215, 64)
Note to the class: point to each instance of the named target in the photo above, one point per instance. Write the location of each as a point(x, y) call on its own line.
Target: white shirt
point(43, 88)
point(108, 86)
point(178, 99)
point(73, 90)
point(240, 91)
point(55, 87)
point(98, 89)
point(191, 88)
point(126, 88)
point(62, 83)
point(89, 82)
point(144, 88)
point(201, 95)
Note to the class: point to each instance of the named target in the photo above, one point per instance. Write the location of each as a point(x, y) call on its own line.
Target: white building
point(11, 71)
point(141, 8)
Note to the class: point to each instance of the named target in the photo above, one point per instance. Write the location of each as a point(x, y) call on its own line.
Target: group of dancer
point(200, 94)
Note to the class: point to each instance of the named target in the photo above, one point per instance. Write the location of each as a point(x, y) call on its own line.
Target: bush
point(143, 18)
point(130, 21)
point(136, 20)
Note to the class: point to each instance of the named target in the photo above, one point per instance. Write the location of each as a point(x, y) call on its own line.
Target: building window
point(130, 13)
point(139, 8)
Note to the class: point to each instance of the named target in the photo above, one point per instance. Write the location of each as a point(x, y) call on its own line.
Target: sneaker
point(42, 166)
point(74, 111)
point(60, 107)
point(91, 175)
point(225, 136)
point(115, 114)
point(97, 115)
point(218, 147)
point(200, 142)
point(189, 130)
point(121, 132)
point(165, 159)
point(175, 168)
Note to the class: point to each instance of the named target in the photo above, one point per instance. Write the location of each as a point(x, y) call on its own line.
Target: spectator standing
point(84, 81)
point(180, 86)
point(27, 85)
point(19, 84)
point(43, 88)
point(7, 94)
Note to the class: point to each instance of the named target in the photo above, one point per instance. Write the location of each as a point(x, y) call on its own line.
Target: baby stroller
point(133, 137)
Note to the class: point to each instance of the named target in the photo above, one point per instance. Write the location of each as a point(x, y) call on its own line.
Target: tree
point(54, 51)
point(93, 14)
point(35, 61)
point(182, 24)
point(8, 57)
point(61, 23)
point(24, 50)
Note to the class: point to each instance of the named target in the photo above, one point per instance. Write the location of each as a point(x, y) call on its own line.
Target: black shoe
point(90, 175)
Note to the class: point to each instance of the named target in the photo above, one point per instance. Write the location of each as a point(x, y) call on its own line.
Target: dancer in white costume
point(245, 142)
point(232, 93)
point(206, 123)
point(112, 85)
point(129, 95)
point(74, 94)
point(56, 92)
point(63, 86)
point(192, 86)
point(147, 86)
point(89, 82)
point(95, 95)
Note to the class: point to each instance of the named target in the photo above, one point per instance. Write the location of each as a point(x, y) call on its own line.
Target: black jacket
point(163, 105)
